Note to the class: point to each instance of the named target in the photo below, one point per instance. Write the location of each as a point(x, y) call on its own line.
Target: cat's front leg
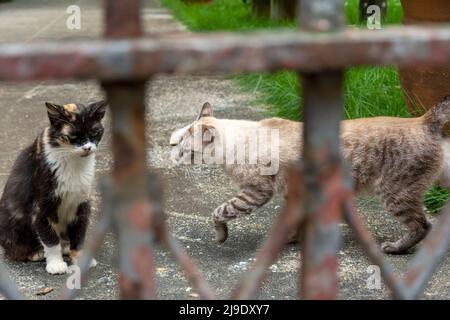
point(55, 263)
point(76, 231)
point(248, 200)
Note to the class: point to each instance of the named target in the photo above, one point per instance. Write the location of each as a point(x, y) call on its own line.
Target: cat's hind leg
point(248, 200)
point(407, 207)
point(22, 245)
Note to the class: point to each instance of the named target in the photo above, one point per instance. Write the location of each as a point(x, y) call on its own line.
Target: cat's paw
point(221, 230)
point(393, 248)
point(56, 267)
point(388, 247)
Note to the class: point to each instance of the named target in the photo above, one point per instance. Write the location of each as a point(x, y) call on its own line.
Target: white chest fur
point(74, 175)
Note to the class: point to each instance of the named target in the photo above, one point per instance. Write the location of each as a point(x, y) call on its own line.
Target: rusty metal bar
point(163, 237)
point(190, 270)
point(323, 189)
point(373, 249)
point(7, 286)
point(423, 264)
point(133, 211)
point(219, 53)
point(290, 216)
point(122, 19)
point(429, 256)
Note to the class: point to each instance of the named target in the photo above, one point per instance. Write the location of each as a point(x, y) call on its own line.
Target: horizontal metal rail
point(117, 59)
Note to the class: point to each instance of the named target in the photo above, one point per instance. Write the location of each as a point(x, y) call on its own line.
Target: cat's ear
point(55, 112)
point(98, 109)
point(54, 109)
point(206, 111)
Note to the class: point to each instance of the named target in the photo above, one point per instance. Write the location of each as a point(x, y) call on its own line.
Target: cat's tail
point(438, 116)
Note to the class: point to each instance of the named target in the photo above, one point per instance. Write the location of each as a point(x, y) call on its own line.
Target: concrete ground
point(191, 193)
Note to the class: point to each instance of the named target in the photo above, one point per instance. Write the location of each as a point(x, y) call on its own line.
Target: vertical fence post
point(7, 287)
point(261, 8)
point(132, 211)
point(283, 9)
point(322, 112)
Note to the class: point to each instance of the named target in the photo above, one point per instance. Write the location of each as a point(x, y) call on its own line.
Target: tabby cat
point(44, 209)
point(395, 158)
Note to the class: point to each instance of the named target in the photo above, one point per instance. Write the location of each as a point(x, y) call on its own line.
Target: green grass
point(232, 15)
point(369, 91)
point(222, 15)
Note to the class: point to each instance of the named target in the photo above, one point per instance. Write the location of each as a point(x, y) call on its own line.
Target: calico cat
point(395, 158)
point(44, 209)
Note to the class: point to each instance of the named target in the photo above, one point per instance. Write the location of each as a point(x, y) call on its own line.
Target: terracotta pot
point(423, 87)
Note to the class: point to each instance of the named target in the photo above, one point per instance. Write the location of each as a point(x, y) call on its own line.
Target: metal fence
point(320, 190)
